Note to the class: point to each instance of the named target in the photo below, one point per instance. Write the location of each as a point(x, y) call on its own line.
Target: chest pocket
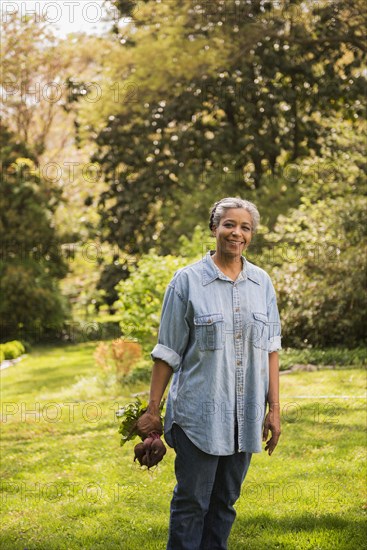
point(209, 331)
point(260, 330)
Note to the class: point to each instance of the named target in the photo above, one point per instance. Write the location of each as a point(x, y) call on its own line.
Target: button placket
point(239, 375)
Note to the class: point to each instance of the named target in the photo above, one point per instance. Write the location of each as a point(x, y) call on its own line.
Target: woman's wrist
point(153, 407)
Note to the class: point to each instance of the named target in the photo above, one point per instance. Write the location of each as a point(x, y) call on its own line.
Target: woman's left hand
point(272, 423)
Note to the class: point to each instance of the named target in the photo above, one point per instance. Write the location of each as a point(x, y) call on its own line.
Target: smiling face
point(234, 232)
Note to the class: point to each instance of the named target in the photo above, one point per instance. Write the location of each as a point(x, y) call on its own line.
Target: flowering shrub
point(117, 357)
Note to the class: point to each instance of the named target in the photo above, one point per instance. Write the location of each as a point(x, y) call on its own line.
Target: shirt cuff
point(274, 344)
point(168, 355)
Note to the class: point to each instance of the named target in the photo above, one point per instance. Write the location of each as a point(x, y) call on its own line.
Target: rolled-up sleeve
point(274, 340)
point(173, 330)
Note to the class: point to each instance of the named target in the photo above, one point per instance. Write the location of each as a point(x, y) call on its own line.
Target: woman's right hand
point(149, 422)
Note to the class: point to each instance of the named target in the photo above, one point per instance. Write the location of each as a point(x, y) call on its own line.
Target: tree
point(227, 96)
point(320, 250)
point(31, 261)
point(111, 275)
point(30, 79)
point(46, 84)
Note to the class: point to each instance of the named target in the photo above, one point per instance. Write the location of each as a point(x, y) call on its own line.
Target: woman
point(220, 336)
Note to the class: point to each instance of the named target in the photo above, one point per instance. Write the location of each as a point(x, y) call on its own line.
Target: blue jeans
point(207, 487)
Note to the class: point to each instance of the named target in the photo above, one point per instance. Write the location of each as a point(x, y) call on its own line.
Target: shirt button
point(237, 309)
point(238, 336)
point(238, 362)
point(209, 321)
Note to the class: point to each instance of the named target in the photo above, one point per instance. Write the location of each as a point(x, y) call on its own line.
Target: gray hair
point(219, 209)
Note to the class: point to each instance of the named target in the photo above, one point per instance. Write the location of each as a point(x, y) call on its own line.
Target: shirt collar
point(211, 271)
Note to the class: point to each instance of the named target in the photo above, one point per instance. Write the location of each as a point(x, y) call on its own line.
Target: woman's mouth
point(236, 245)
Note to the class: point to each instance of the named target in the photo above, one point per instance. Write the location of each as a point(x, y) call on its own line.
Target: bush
point(319, 261)
point(125, 355)
point(11, 350)
point(141, 372)
point(141, 296)
point(338, 357)
point(117, 357)
point(31, 263)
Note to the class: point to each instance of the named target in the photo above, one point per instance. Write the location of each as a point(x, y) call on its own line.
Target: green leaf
point(130, 415)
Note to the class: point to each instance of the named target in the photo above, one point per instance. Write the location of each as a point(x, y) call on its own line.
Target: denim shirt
point(216, 334)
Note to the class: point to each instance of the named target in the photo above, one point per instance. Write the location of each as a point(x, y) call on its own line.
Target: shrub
point(141, 372)
point(141, 296)
point(11, 350)
point(117, 357)
point(125, 355)
point(102, 356)
point(320, 256)
point(31, 263)
point(338, 357)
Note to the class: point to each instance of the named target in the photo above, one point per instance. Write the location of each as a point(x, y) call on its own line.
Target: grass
point(66, 483)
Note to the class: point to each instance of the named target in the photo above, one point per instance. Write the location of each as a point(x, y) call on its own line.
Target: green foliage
point(129, 415)
point(319, 251)
point(337, 357)
point(197, 245)
point(141, 372)
point(31, 262)
point(11, 350)
point(118, 356)
point(226, 123)
point(183, 119)
point(111, 275)
point(315, 255)
point(141, 295)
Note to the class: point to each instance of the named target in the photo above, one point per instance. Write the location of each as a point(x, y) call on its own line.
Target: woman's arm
point(273, 393)
point(161, 375)
point(272, 419)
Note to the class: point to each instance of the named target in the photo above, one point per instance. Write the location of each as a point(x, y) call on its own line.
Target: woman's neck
point(229, 265)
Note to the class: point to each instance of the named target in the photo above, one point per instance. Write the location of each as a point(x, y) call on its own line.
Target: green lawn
point(66, 483)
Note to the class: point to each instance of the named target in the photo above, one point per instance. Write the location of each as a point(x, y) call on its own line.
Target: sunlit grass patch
point(67, 484)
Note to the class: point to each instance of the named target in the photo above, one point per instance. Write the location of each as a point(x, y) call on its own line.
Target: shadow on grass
point(267, 531)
